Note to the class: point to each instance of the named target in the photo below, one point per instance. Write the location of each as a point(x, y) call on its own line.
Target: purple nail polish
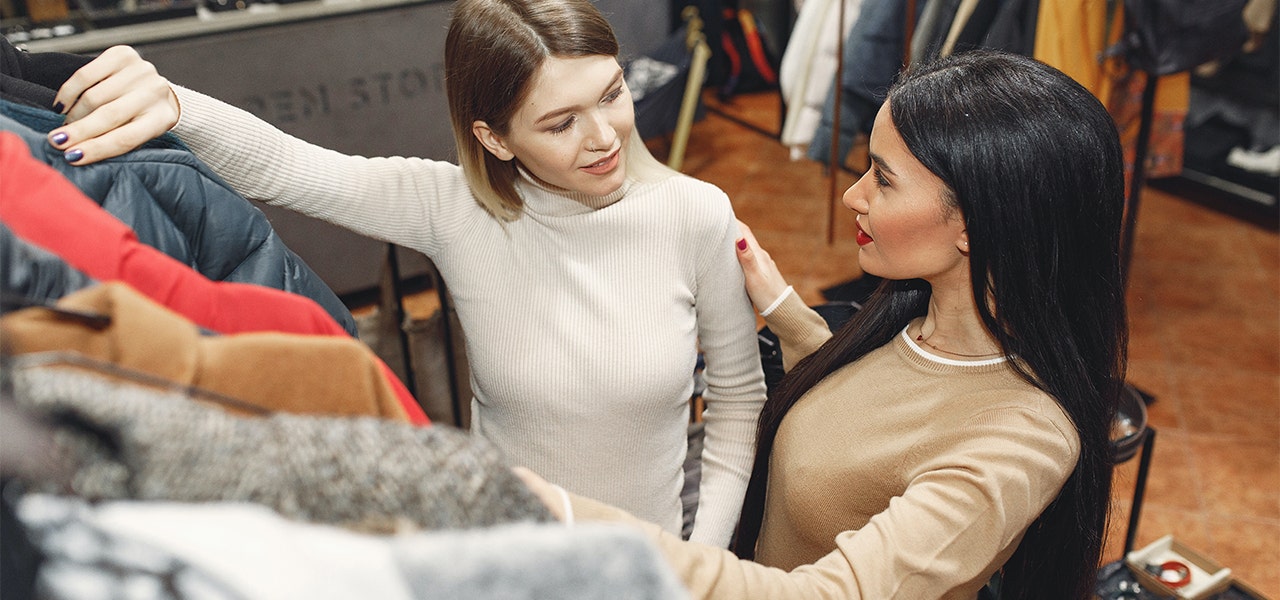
point(73, 155)
point(59, 138)
point(57, 107)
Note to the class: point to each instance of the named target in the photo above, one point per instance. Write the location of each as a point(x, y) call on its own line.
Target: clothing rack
point(1138, 178)
point(834, 160)
point(393, 264)
point(446, 328)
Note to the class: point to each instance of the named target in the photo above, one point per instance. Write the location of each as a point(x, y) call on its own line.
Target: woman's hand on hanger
point(765, 284)
point(114, 104)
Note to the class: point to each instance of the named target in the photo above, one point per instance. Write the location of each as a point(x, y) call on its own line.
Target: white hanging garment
point(809, 67)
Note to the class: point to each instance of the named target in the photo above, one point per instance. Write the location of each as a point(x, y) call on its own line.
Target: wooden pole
point(835, 159)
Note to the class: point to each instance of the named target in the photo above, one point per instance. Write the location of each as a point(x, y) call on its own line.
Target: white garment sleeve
point(735, 389)
point(413, 202)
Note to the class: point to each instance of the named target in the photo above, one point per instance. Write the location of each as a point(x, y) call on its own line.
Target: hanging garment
point(29, 271)
point(14, 89)
point(1071, 35)
point(283, 372)
point(176, 204)
point(1259, 19)
point(972, 24)
point(84, 560)
point(126, 441)
point(1232, 122)
point(1163, 37)
point(45, 209)
point(872, 58)
point(1013, 28)
point(934, 20)
point(809, 67)
point(1166, 145)
point(238, 551)
point(20, 559)
point(530, 562)
point(106, 249)
point(33, 79)
point(959, 18)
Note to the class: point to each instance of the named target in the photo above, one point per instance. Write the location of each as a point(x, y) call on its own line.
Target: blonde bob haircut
point(492, 52)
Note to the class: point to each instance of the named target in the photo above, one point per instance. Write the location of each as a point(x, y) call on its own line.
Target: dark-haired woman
point(958, 426)
point(587, 275)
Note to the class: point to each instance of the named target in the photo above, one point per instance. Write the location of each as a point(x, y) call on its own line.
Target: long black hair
point(1033, 162)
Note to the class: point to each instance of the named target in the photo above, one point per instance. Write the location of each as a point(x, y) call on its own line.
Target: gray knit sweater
point(125, 441)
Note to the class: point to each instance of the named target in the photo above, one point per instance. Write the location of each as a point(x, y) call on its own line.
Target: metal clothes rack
point(446, 327)
point(1128, 225)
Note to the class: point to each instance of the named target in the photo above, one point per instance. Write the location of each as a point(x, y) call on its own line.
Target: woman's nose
point(855, 198)
point(601, 135)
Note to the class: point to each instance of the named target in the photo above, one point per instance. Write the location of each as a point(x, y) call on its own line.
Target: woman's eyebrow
point(879, 162)
point(568, 109)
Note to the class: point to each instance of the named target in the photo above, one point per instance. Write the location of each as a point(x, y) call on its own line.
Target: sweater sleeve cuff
point(800, 329)
point(793, 318)
point(567, 503)
point(790, 291)
point(588, 510)
point(179, 93)
point(173, 89)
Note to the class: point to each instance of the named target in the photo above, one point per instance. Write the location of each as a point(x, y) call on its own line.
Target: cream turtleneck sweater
point(582, 318)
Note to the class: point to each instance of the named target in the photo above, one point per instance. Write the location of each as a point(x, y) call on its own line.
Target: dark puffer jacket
point(178, 205)
point(30, 272)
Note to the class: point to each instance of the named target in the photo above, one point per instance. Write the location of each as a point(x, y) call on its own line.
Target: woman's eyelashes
point(566, 124)
point(879, 177)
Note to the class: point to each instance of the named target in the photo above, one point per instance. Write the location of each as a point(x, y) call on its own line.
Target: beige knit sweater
point(903, 475)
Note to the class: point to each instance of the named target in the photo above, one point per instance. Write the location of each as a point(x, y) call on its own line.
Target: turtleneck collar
point(546, 200)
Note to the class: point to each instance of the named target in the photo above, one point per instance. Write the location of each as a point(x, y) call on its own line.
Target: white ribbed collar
point(543, 199)
point(931, 357)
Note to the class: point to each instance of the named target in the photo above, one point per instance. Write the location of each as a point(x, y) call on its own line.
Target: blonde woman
point(586, 275)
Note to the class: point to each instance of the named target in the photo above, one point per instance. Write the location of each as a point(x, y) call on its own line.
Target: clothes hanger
point(13, 301)
point(108, 370)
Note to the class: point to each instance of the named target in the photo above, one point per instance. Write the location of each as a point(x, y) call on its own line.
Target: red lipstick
point(863, 239)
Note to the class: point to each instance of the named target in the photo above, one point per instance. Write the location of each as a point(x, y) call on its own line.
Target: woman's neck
point(953, 327)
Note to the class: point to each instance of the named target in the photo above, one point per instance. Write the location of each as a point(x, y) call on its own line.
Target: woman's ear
point(962, 243)
point(491, 140)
